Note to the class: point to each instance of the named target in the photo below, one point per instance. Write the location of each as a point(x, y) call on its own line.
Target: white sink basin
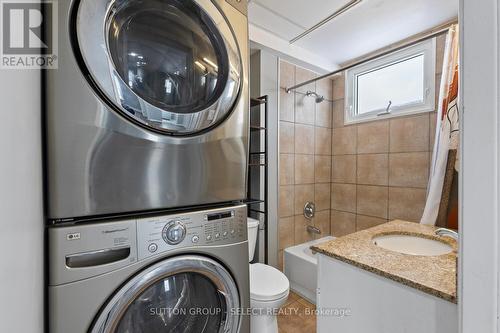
point(414, 245)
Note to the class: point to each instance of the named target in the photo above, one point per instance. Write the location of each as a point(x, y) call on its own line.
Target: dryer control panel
point(215, 227)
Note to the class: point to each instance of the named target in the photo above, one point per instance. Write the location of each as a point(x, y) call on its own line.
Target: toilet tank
point(253, 228)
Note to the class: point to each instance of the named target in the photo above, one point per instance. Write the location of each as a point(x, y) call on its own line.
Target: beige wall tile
point(372, 200)
point(304, 109)
point(324, 88)
point(287, 74)
point(304, 169)
point(286, 231)
point(344, 169)
point(322, 141)
point(366, 222)
point(301, 233)
point(373, 137)
point(287, 138)
point(342, 223)
point(338, 113)
point(432, 129)
point(302, 75)
point(286, 201)
point(322, 196)
point(409, 134)
point(322, 221)
point(324, 114)
point(344, 140)
point(287, 173)
point(303, 194)
point(280, 260)
point(360, 167)
point(406, 203)
point(338, 87)
point(409, 169)
point(440, 46)
point(437, 85)
point(344, 197)
point(322, 169)
point(304, 139)
point(373, 169)
point(287, 106)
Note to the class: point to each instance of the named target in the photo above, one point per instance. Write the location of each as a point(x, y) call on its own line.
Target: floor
point(297, 316)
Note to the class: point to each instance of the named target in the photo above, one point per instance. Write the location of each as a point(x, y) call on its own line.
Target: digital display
point(218, 216)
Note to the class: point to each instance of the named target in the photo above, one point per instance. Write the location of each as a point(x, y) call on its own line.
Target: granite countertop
point(435, 275)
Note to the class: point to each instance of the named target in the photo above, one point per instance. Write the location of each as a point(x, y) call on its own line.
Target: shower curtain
point(447, 126)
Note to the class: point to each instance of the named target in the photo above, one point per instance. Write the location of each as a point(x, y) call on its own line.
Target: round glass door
point(188, 294)
point(186, 302)
point(170, 65)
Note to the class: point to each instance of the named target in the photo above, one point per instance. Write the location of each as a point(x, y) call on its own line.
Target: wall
point(478, 280)
point(264, 81)
point(376, 171)
point(305, 155)
point(21, 239)
point(380, 169)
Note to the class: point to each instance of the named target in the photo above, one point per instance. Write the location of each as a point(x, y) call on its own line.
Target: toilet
point(268, 289)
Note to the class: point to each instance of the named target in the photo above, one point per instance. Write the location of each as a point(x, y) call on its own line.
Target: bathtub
point(301, 268)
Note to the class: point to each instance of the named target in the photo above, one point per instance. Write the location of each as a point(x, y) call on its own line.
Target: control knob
point(174, 232)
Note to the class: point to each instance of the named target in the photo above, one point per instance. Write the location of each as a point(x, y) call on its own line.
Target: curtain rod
point(318, 25)
point(337, 71)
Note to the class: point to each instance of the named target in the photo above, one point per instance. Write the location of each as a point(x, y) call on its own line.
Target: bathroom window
point(400, 83)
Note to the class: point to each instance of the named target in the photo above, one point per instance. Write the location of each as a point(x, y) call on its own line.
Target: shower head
point(318, 98)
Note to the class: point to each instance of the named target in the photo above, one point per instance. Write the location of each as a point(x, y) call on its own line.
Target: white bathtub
point(301, 268)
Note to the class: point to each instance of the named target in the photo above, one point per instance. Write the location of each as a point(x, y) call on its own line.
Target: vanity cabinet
point(354, 300)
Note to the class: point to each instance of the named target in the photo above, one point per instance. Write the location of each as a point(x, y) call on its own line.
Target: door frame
point(478, 281)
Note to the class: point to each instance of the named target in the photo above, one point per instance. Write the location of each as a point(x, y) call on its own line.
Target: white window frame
point(427, 49)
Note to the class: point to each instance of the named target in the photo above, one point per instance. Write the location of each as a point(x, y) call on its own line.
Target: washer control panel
point(213, 227)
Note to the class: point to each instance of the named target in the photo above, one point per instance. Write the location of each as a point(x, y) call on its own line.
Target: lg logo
point(29, 38)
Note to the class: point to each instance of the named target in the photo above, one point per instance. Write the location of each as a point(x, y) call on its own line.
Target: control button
point(174, 232)
point(232, 231)
point(209, 237)
point(217, 236)
point(152, 247)
point(224, 233)
point(195, 239)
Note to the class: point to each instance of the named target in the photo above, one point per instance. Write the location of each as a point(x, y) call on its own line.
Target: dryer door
point(172, 66)
point(182, 294)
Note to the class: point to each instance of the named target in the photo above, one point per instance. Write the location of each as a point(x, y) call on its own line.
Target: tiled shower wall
point(380, 169)
point(305, 134)
point(358, 175)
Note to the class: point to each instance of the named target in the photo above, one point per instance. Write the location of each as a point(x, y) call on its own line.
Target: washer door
point(170, 65)
point(183, 294)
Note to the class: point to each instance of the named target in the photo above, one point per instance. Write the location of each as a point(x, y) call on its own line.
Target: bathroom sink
point(410, 244)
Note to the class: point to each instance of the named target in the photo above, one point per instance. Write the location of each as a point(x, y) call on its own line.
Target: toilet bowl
point(269, 289)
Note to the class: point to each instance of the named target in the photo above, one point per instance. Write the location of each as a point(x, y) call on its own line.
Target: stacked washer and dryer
point(147, 145)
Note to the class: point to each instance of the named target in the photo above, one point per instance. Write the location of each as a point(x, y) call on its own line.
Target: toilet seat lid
point(267, 283)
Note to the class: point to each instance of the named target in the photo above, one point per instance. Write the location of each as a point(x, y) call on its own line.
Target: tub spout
point(313, 229)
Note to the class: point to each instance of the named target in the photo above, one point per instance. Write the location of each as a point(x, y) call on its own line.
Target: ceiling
point(366, 27)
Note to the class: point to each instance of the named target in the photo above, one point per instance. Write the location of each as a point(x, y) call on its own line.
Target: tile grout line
point(313, 220)
point(294, 166)
point(366, 215)
point(388, 168)
point(356, 195)
point(387, 152)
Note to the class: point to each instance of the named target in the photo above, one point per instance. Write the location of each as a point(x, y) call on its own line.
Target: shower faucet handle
point(309, 210)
